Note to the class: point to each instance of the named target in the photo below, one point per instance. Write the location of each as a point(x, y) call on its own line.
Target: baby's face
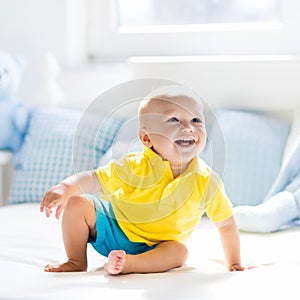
point(174, 128)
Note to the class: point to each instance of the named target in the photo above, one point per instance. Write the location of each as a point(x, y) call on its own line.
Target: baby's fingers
point(43, 205)
point(59, 210)
point(236, 267)
point(48, 207)
point(48, 212)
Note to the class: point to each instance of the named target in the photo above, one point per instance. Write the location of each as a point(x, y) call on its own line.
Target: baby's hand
point(57, 196)
point(236, 267)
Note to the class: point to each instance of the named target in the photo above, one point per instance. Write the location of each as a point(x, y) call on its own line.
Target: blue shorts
point(109, 235)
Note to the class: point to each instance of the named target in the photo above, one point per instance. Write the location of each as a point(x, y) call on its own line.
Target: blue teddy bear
point(14, 115)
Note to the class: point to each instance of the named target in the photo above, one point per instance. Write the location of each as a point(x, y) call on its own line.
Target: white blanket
point(28, 241)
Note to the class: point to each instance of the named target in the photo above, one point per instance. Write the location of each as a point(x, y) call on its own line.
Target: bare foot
point(66, 267)
point(115, 263)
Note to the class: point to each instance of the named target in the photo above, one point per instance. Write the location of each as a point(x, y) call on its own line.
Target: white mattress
point(28, 241)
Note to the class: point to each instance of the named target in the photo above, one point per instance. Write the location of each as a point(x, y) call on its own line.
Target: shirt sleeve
point(112, 176)
point(218, 206)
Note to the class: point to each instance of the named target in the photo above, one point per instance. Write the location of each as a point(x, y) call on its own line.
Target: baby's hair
point(169, 92)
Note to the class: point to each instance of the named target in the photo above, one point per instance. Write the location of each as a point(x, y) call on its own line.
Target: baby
point(150, 201)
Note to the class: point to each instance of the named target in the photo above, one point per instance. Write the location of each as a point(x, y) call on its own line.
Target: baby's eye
point(173, 119)
point(197, 120)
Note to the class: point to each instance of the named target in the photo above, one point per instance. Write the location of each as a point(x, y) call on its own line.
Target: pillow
point(126, 141)
point(58, 143)
point(254, 145)
point(294, 133)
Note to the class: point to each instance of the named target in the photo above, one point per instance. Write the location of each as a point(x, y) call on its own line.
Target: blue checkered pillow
point(59, 142)
point(254, 145)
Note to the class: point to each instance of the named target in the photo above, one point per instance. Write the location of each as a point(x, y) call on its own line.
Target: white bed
point(29, 240)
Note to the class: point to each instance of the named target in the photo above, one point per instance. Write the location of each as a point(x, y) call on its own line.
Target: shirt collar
point(197, 165)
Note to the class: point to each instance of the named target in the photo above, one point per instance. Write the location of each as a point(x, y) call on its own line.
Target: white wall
point(268, 83)
point(34, 27)
point(31, 28)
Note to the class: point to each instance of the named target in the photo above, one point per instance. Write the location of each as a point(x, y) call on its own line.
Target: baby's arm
point(231, 243)
point(58, 195)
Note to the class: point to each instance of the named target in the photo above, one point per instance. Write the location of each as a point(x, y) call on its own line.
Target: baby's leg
point(78, 223)
point(163, 257)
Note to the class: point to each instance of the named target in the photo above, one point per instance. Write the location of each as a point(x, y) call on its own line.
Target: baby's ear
point(144, 138)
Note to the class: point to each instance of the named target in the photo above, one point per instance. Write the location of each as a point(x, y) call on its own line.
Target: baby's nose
point(187, 126)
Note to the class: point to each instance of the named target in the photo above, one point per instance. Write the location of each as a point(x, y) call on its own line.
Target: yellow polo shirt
point(152, 206)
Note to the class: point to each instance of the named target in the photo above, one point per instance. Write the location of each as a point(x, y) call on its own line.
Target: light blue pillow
point(254, 146)
point(126, 140)
point(58, 144)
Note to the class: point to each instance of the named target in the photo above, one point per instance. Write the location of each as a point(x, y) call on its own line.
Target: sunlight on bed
point(29, 241)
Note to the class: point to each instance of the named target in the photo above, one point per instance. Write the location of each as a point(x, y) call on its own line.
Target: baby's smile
point(185, 142)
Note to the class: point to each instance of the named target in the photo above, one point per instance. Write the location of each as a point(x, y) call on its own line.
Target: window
point(170, 15)
point(119, 29)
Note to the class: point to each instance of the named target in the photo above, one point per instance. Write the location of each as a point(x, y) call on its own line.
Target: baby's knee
point(180, 252)
point(76, 202)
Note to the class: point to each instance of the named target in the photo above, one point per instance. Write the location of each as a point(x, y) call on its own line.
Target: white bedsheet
point(28, 241)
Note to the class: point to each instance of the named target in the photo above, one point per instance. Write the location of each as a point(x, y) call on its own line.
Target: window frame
point(107, 43)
